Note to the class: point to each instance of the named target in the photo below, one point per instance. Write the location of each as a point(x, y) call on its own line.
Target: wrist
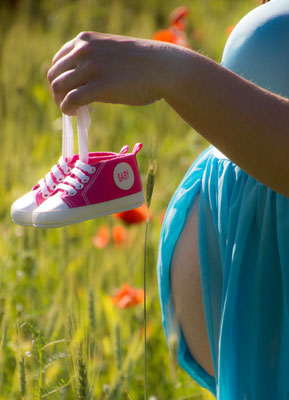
point(173, 67)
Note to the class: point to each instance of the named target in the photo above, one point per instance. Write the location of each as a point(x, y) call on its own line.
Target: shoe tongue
point(74, 159)
point(91, 161)
point(95, 159)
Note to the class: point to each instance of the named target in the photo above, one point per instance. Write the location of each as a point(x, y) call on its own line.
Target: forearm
point(248, 124)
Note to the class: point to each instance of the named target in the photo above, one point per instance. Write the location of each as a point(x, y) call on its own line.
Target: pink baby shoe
point(102, 185)
point(22, 209)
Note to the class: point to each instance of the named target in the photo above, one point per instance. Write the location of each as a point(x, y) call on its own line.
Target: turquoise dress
point(243, 236)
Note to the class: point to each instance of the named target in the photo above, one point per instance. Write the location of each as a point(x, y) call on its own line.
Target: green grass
point(60, 335)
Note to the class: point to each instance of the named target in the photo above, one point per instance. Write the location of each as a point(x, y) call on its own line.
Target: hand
point(106, 68)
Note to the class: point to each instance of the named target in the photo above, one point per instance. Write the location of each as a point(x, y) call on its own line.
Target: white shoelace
point(71, 184)
point(60, 171)
point(48, 184)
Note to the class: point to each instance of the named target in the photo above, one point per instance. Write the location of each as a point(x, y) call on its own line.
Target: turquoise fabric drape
point(244, 264)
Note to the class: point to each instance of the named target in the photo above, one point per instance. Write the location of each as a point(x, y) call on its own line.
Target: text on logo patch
point(123, 176)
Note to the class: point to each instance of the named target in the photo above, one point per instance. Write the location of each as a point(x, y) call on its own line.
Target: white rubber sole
point(21, 218)
point(58, 218)
point(21, 223)
point(22, 209)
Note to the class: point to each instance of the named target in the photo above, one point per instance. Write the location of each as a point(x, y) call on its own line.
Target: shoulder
point(258, 48)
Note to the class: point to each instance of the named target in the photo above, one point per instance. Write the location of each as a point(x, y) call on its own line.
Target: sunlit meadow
point(71, 299)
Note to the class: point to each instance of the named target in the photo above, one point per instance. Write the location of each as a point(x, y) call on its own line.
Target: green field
point(61, 337)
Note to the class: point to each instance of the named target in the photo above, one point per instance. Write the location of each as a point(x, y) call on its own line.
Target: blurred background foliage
point(58, 328)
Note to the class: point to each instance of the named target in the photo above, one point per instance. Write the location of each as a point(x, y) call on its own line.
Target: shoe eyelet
point(85, 180)
point(68, 171)
point(45, 195)
point(92, 170)
point(72, 193)
point(59, 179)
point(54, 187)
point(80, 186)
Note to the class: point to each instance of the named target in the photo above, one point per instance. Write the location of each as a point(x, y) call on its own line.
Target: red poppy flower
point(127, 296)
point(178, 17)
point(119, 234)
point(171, 35)
point(102, 238)
point(165, 35)
point(229, 29)
point(135, 216)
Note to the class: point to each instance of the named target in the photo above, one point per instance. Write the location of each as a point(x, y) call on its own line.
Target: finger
point(78, 97)
point(66, 82)
point(63, 51)
point(64, 64)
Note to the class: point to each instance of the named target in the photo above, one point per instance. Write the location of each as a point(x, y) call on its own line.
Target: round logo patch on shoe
point(123, 176)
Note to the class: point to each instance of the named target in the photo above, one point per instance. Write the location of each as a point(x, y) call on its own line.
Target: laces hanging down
point(71, 184)
point(58, 172)
point(67, 137)
point(83, 124)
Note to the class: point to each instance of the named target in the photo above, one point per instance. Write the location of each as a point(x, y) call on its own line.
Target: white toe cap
point(53, 203)
point(49, 213)
point(22, 209)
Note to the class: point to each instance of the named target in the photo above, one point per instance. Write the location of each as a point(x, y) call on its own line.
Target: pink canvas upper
point(93, 156)
point(115, 176)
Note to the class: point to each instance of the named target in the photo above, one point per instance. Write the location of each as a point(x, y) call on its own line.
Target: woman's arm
point(250, 125)
point(247, 123)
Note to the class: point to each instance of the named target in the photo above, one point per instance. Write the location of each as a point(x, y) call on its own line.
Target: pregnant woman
point(223, 264)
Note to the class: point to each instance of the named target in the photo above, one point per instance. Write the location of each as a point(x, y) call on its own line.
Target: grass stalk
point(22, 376)
point(83, 387)
point(92, 318)
point(118, 347)
point(149, 192)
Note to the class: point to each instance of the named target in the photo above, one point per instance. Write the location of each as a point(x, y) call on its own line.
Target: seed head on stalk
point(22, 377)
point(91, 309)
point(152, 170)
point(83, 388)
